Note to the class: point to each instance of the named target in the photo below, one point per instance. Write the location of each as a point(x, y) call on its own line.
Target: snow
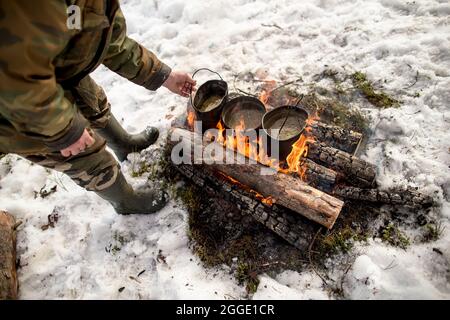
point(92, 252)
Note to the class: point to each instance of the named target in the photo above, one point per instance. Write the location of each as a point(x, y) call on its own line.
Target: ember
point(191, 119)
point(266, 200)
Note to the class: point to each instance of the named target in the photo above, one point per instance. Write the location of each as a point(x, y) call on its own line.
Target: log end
point(8, 274)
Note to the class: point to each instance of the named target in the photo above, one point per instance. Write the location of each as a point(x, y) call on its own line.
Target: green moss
point(392, 235)
point(378, 99)
point(116, 244)
point(198, 232)
point(341, 240)
point(335, 112)
point(204, 251)
point(137, 172)
point(243, 248)
point(245, 274)
point(348, 118)
point(189, 197)
point(334, 75)
point(432, 231)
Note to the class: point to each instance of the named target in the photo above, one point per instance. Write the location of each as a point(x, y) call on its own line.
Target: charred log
point(354, 170)
point(336, 137)
point(292, 227)
point(318, 176)
point(409, 196)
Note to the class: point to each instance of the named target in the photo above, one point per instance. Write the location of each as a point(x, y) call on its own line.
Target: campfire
point(255, 149)
point(320, 172)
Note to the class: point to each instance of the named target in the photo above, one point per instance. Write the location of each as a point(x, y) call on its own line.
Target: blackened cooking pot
point(284, 126)
point(209, 100)
point(244, 113)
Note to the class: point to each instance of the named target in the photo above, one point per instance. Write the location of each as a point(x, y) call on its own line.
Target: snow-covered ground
point(92, 252)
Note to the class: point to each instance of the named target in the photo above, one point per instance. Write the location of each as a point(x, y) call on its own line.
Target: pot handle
point(300, 98)
point(206, 69)
point(193, 75)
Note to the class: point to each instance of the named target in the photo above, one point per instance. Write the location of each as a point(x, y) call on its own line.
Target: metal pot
point(243, 110)
point(211, 89)
point(291, 122)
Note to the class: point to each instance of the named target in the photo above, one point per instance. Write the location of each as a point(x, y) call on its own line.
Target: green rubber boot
point(123, 143)
point(127, 201)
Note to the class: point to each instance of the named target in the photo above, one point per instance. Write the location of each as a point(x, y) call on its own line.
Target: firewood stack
point(330, 174)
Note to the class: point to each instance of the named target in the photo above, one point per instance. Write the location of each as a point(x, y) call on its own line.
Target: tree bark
point(354, 170)
point(8, 275)
point(318, 176)
point(336, 137)
point(284, 189)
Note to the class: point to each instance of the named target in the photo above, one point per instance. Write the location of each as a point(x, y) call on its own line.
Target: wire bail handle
point(193, 75)
point(300, 98)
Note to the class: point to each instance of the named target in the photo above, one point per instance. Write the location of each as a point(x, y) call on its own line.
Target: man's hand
point(180, 83)
point(84, 142)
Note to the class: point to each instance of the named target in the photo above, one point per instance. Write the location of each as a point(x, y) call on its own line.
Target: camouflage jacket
point(41, 54)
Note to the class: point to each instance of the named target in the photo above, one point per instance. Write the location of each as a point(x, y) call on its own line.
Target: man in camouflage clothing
point(54, 114)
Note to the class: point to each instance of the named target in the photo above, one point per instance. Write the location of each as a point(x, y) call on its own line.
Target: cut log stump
point(8, 274)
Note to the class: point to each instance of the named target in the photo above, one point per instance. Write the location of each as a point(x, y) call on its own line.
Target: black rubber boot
point(124, 143)
point(127, 201)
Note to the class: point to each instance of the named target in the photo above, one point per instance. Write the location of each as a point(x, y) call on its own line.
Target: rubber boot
point(127, 201)
point(123, 143)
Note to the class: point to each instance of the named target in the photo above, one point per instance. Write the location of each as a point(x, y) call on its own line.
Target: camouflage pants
point(95, 168)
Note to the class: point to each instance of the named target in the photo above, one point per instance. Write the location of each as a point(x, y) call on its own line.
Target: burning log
point(8, 274)
point(355, 170)
point(409, 196)
point(285, 190)
point(336, 137)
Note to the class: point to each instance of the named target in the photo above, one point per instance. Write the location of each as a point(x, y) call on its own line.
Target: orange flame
point(266, 92)
point(191, 119)
point(266, 200)
point(239, 141)
point(254, 150)
point(300, 149)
